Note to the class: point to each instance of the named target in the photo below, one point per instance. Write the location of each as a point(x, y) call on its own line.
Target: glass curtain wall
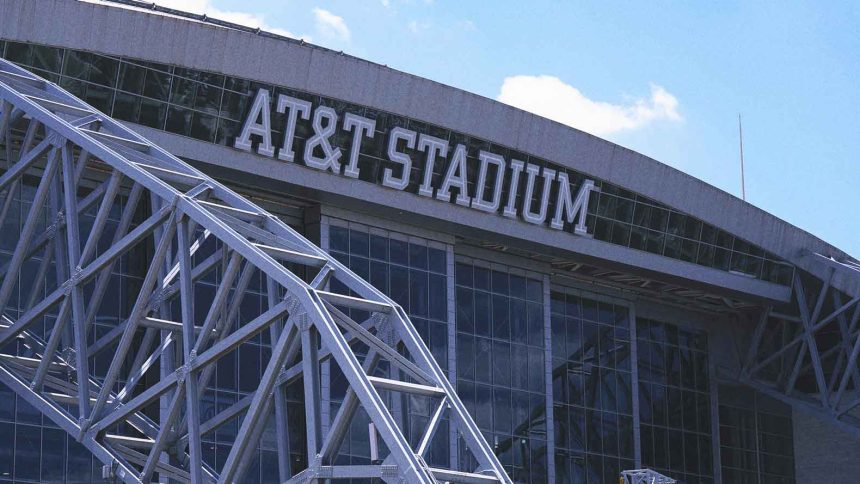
point(500, 364)
point(756, 440)
point(32, 447)
point(238, 373)
point(413, 272)
point(592, 397)
point(674, 401)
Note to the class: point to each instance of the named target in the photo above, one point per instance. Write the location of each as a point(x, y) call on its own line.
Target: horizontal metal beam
point(405, 387)
point(354, 302)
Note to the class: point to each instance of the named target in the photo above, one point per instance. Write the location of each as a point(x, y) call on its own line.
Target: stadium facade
point(595, 310)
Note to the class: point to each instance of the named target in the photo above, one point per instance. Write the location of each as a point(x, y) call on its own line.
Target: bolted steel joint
point(302, 321)
point(293, 304)
point(182, 373)
point(73, 280)
point(389, 470)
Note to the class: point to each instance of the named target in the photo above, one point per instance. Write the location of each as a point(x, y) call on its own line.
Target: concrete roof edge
point(512, 127)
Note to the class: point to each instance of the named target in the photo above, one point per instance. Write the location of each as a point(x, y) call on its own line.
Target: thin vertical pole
point(743, 181)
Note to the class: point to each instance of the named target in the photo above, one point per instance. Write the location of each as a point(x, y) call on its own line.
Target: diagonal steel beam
point(245, 234)
point(809, 338)
point(134, 319)
point(254, 414)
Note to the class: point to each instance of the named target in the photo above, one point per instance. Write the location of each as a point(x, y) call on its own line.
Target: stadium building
point(483, 272)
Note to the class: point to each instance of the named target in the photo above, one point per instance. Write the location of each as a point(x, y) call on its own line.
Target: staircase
point(188, 227)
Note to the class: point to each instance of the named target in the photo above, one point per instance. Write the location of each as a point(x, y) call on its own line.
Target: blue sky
point(666, 79)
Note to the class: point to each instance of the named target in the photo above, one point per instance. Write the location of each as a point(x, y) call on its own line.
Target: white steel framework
point(190, 227)
point(806, 352)
point(644, 476)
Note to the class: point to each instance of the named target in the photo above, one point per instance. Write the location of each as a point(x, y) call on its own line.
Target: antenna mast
point(743, 183)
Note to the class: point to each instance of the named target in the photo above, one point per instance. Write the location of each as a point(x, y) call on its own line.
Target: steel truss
point(190, 227)
point(805, 353)
point(644, 476)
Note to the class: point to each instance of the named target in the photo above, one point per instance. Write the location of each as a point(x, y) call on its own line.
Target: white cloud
point(417, 27)
point(386, 3)
point(466, 25)
point(247, 19)
point(550, 97)
point(330, 25)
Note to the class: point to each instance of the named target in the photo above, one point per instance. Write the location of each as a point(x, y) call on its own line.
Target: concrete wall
point(824, 453)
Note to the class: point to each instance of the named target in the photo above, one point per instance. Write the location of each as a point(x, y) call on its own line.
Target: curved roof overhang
point(178, 40)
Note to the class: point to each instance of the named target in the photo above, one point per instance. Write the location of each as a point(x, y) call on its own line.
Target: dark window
point(28, 454)
point(203, 127)
point(756, 439)
point(103, 70)
point(157, 85)
point(131, 78)
point(152, 113)
point(674, 402)
point(126, 107)
point(178, 121)
point(47, 58)
point(595, 396)
point(508, 354)
point(7, 445)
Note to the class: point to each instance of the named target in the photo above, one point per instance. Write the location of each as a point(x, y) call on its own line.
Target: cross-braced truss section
point(96, 199)
point(644, 476)
point(806, 352)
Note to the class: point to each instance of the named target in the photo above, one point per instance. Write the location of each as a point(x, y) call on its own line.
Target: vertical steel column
point(192, 412)
point(634, 387)
point(715, 413)
point(451, 317)
point(311, 379)
point(73, 238)
point(550, 397)
point(325, 366)
point(281, 411)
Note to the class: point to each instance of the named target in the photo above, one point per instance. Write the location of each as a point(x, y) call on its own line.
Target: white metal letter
point(455, 177)
point(297, 108)
point(434, 147)
point(548, 177)
point(571, 210)
point(479, 202)
point(321, 136)
point(263, 129)
point(511, 207)
point(360, 126)
point(388, 178)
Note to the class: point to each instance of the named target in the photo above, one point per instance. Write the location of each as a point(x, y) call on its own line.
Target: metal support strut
point(105, 200)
